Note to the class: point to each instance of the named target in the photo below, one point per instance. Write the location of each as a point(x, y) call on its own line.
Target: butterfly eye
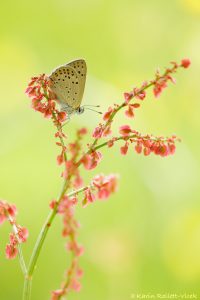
point(80, 110)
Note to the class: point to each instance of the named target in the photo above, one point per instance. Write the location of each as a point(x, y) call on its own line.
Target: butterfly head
point(80, 110)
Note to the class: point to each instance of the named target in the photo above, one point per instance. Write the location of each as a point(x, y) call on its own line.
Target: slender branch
point(42, 236)
point(132, 136)
point(124, 104)
point(59, 127)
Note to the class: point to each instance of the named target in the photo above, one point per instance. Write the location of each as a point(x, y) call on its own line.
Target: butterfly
point(68, 84)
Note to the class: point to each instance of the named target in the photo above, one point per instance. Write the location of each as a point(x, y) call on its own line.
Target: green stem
point(41, 238)
point(27, 288)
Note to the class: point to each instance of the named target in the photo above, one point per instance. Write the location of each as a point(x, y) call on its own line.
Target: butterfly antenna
point(99, 112)
point(90, 105)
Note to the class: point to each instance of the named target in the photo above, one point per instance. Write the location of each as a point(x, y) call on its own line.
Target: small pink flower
point(3, 215)
point(89, 197)
point(13, 239)
point(62, 116)
point(64, 205)
point(108, 113)
point(172, 148)
point(77, 249)
point(110, 143)
point(146, 151)
point(79, 272)
point(12, 210)
point(59, 134)
point(107, 131)
point(124, 149)
point(105, 185)
point(60, 158)
point(129, 112)
point(128, 97)
point(98, 131)
point(138, 147)
point(22, 234)
point(139, 93)
point(11, 251)
point(90, 161)
point(52, 204)
point(78, 181)
point(82, 131)
point(55, 295)
point(159, 86)
point(124, 130)
point(185, 63)
point(75, 285)
point(86, 161)
point(6, 209)
point(70, 169)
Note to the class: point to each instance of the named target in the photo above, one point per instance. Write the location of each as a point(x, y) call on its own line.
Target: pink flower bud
point(98, 132)
point(124, 130)
point(128, 97)
point(138, 147)
point(124, 149)
point(11, 251)
point(185, 63)
point(129, 112)
point(108, 113)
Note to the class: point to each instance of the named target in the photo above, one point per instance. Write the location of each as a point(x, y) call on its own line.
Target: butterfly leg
point(68, 119)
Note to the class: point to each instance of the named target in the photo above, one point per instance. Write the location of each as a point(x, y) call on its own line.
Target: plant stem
point(132, 136)
point(43, 233)
point(41, 238)
point(27, 288)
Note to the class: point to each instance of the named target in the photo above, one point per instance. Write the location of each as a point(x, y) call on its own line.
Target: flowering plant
point(73, 155)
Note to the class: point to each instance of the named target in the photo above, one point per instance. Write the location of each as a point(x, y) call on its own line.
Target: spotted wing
point(80, 67)
point(65, 84)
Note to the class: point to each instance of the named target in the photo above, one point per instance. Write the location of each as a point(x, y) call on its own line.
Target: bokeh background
point(145, 238)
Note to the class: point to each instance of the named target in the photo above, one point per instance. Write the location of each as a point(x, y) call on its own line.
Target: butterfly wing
point(80, 67)
point(65, 84)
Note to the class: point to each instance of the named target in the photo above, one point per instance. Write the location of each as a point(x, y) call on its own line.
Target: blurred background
point(146, 237)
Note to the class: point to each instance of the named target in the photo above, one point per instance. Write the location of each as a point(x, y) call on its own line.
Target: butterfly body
point(68, 84)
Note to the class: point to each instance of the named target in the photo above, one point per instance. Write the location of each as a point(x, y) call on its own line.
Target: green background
point(146, 237)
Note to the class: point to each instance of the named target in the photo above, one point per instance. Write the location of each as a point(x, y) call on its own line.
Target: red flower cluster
point(74, 273)
point(43, 99)
point(70, 226)
point(101, 188)
point(20, 235)
point(102, 131)
point(138, 93)
point(91, 160)
point(160, 83)
point(6, 210)
point(148, 143)
point(70, 165)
